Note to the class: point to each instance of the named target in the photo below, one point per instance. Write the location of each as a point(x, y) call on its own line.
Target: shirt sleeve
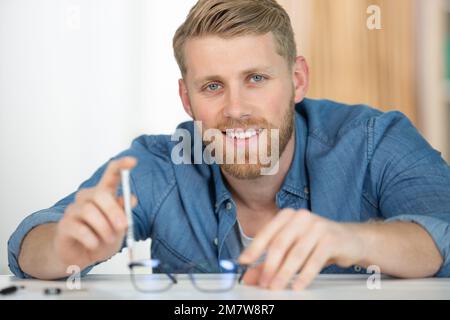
point(56, 212)
point(411, 180)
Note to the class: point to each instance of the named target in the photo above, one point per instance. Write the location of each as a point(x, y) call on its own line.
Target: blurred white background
point(79, 79)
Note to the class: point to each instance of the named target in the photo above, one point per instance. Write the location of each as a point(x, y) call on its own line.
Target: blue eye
point(213, 87)
point(257, 78)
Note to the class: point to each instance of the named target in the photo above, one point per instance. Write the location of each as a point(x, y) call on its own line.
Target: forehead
point(216, 55)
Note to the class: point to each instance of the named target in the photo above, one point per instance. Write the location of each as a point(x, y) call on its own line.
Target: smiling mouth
point(240, 134)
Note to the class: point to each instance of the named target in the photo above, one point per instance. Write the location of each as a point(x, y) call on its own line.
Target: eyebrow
point(209, 78)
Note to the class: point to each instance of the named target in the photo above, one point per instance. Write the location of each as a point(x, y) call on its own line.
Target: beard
point(248, 170)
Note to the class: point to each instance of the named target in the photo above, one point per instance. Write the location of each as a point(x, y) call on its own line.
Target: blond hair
point(230, 18)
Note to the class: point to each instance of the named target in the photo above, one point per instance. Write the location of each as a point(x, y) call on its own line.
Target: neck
point(260, 193)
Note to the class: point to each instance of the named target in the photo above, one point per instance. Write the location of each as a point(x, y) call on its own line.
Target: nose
point(235, 106)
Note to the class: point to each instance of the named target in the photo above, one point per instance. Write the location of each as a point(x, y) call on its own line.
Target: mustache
point(244, 124)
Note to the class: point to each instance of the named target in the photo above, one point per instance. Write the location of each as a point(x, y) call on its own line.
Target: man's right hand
point(94, 225)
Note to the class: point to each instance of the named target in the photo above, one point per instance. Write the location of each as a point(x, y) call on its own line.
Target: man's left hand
point(300, 241)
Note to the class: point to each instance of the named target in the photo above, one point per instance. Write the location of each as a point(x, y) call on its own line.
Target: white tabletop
point(324, 287)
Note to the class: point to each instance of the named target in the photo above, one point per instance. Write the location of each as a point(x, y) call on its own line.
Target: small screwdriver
point(10, 290)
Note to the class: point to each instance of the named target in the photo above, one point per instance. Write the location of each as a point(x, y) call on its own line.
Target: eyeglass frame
point(241, 269)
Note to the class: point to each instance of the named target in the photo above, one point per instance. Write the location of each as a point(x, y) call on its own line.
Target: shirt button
point(216, 241)
point(229, 206)
point(357, 268)
point(306, 190)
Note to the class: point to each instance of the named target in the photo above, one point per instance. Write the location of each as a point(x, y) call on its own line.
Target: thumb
point(134, 201)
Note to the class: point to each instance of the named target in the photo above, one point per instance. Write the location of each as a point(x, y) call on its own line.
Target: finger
point(279, 247)
point(80, 232)
point(252, 275)
point(294, 260)
point(109, 206)
point(82, 194)
point(262, 239)
point(111, 176)
point(312, 267)
point(95, 219)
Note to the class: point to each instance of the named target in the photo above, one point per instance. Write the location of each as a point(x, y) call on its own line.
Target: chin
point(243, 171)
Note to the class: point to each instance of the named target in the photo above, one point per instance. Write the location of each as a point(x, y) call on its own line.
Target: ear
point(301, 78)
point(182, 91)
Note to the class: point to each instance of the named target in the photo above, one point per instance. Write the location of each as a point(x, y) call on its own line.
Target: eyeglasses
point(144, 280)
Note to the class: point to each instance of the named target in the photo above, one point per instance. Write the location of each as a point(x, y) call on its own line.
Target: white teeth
point(230, 134)
point(239, 134)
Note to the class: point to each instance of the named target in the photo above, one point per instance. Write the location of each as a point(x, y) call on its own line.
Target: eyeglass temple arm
point(172, 277)
point(245, 267)
point(241, 277)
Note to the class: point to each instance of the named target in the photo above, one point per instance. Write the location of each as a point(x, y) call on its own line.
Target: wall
point(78, 81)
point(397, 67)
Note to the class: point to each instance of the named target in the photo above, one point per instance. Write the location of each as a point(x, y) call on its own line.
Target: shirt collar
point(296, 179)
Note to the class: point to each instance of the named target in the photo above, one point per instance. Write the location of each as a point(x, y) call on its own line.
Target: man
point(352, 187)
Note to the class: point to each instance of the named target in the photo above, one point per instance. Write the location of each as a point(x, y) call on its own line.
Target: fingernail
point(298, 286)
point(277, 284)
point(264, 281)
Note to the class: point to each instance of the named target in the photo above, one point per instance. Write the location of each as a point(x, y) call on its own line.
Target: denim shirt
point(351, 164)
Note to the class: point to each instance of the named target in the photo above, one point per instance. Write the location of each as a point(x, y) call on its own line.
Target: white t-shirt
point(246, 240)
